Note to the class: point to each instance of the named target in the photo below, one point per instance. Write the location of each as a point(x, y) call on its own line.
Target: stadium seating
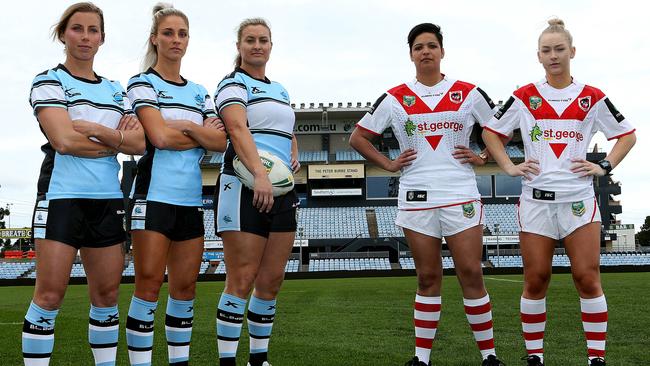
point(562, 260)
point(514, 152)
point(333, 222)
point(408, 263)
point(208, 223)
point(348, 264)
point(293, 265)
point(503, 214)
point(13, 270)
point(344, 155)
point(217, 158)
point(312, 156)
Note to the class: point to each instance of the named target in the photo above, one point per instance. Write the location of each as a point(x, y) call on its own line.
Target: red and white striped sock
point(426, 315)
point(594, 323)
point(533, 324)
point(479, 316)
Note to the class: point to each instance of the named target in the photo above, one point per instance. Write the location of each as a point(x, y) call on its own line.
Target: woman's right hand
point(263, 193)
point(404, 159)
point(524, 169)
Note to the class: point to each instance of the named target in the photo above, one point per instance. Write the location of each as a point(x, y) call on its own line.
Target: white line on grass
point(503, 279)
point(11, 323)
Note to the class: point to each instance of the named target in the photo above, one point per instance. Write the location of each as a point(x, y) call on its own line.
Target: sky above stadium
point(341, 51)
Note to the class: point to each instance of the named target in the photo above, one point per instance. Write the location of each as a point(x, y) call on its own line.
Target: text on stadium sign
point(25, 233)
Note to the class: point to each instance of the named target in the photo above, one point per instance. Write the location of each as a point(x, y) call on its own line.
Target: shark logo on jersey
point(534, 102)
point(256, 90)
point(69, 92)
point(408, 100)
point(200, 101)
point(162, 94)
point(578, 208)
point(409, 128)
point(585, 103)
point(118, 97)
point(285, 96)
point(535, 133)
point(456, 96)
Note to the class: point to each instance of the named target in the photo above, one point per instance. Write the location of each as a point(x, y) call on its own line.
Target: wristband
point(121, 139)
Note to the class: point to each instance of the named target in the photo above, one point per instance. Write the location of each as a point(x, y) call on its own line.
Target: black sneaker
point(533, 360)
point(597, 362)
point(492, 360)
point(416, 362)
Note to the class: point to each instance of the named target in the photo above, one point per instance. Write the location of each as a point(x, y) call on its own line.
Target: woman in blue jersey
point(167, 218)
point(258, 229)
point(87, 120)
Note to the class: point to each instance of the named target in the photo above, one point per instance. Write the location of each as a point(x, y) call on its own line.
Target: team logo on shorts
point(578, 208)
point(456, 96)
point(468, 210)
point(408, 100)
point(534, 102)
point(585, 103)
point(227, 219)
point(200, 101)
point(118, 97)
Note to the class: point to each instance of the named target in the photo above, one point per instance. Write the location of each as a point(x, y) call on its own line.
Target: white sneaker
point(264, 364)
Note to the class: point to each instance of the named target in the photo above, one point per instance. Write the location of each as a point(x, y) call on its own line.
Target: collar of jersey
point(444, 78)
point(544, 81)
point(152, 71)
point(265, 80)
point(98, 79)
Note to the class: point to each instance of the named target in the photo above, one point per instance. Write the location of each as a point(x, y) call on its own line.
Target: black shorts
point(235, 210)
point(178, 223)
point(80, 222)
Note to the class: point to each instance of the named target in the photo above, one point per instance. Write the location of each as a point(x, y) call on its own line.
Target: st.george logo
point(456, 96)
point(468, 210)
point(585, 103)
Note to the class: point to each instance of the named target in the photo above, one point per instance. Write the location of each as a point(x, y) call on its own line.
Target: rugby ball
point(280, 175)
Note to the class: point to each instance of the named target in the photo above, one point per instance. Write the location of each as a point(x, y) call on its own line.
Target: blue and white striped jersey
point(170, 176)
point(101, 101)
point(269, 113)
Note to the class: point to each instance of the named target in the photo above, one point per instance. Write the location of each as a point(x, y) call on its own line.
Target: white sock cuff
point(595, 300)
point(541, 301)
point(428, 299)
point(477, 302)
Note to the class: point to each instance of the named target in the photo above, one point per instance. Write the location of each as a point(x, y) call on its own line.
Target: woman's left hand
point(586, 168)
point(295, 165)
point(466, 155)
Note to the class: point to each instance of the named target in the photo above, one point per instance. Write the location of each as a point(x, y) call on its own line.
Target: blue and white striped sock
point(139, 331)
point(38, 335)
point(261, 314)
point(178, 330)
point(103, 333)
point(230, 316)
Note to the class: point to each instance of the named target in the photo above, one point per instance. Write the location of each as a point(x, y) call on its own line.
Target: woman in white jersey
point(258, 229)
point(167, 218)
point(432, 118)
point(87, 120)
point(557, 117)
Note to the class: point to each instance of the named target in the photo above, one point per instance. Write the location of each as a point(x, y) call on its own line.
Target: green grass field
point(364, 321)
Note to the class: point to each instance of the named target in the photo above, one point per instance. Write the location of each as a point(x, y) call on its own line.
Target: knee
point(240, 284)
point(49, 300)
point(471, 276)
point(428, 281)
point(267, 286)
point(536, 283)
point(105, 297)
point(147, 287)
point(183, 292)
point(588, 284)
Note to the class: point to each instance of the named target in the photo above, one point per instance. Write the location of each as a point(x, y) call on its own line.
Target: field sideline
point(364, 321)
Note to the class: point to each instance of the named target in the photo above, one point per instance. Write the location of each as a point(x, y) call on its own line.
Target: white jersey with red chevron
point(432, 120)
point(557, 126)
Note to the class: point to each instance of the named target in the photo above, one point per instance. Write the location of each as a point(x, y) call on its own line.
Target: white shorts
point(555, 220)
point(442, 221)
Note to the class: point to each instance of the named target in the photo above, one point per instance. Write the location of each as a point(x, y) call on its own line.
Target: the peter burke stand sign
point(24, 233)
